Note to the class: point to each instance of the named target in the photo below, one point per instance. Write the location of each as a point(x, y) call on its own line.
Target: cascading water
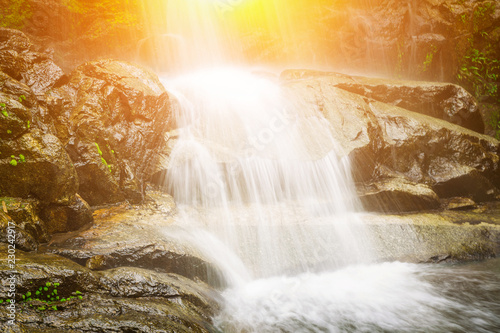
point(262, 175)
point(265, 191)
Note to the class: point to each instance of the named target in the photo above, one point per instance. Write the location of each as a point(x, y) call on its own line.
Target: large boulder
point(111, 117)
point(445, 101)
point(386, 141)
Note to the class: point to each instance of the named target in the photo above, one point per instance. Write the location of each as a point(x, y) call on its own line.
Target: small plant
point(102, 158)
point(22, 158)
point(429, 58)
point(49, 295)
point(28, 125)
point(9, 132)
point(22, 98)
point(479, 72)
point(13, 160)
point(3, 109)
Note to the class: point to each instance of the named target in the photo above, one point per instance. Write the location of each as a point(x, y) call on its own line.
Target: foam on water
point(387, 297)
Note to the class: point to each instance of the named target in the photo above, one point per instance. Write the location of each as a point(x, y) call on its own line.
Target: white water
point(264, 191)
point(263, 175)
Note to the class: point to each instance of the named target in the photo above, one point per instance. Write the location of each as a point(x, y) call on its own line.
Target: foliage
point(429, 58)
point(48, 297)
point(14, 13)
point(480, 72)
point(480, 14)
point(3, 109)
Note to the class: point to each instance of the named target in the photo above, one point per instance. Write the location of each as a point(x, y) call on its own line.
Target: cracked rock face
point(112, 117)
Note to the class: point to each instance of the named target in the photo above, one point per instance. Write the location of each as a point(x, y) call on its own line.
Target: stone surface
point(398, 195)
point(111, 117)
point(144, 237)
point(21, 216)
point(67, 218)
point(426, 237)
point(460, 204)
point(445, 101)
point(122, 299)
point(36, 164)
point(19, 60)
point(386, 140)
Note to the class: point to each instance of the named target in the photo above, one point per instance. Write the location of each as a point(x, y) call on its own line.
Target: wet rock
point(137, 282)
point(15, 113)
point(121, 299)
point(398, 195)
point(460, 204)
point(383, 139)
point(23, 214)
point(445, 101)
point(19, 60)
point(112, 118)
point(35, 164)
point(67, 218)
point(136, 237)
point(430, 237)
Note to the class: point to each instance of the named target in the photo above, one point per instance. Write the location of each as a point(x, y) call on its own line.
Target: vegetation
point(14, 13)
point(3, 109)
point(428, 59)
point(48, 297)
point(99, 151)
point(479, 70)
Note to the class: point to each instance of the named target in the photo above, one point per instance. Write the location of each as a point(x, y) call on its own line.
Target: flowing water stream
point(268, 195)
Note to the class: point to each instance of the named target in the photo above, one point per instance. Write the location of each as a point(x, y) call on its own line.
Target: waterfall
point(266, 177)
point(264, 191)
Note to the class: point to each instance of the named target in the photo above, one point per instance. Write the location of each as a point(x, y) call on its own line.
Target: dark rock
point(67, 218)
point(24, 214)
point(112, 117)
point(398, 195)
point(458, 180)
point(383, 139)
point(19, 60)
point(123, 299)
point(14, 112)
point(36, 164)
